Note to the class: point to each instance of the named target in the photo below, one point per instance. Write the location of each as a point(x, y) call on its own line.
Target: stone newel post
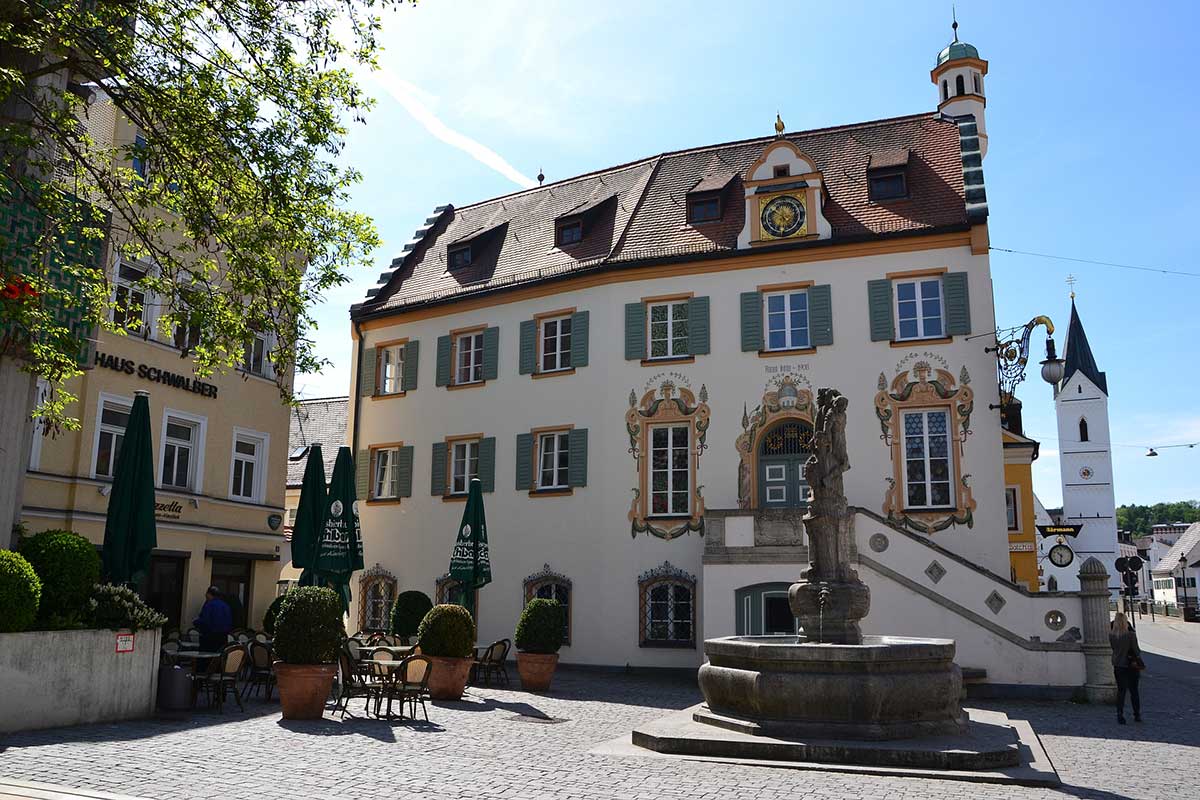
point(1099, 685)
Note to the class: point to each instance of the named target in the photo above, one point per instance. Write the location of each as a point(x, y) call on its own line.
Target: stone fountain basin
point(888, 687)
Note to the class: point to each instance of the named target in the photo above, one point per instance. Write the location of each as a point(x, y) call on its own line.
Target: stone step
point(974, 675)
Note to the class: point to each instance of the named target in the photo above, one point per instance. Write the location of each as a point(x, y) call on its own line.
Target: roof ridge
point(704, 148)
point(324, 399)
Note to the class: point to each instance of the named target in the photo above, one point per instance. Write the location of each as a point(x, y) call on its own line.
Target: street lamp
point(1012, 356)
point(1183, 583)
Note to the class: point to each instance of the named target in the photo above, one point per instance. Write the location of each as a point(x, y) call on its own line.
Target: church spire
point(1078, 353)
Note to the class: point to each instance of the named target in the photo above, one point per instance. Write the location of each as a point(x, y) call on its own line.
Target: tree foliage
point(237, 202)
point(1138, 519)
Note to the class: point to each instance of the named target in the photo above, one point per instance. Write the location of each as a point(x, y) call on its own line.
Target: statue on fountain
point(831, 599)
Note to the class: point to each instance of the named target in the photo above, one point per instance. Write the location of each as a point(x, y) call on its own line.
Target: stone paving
point(484, 748)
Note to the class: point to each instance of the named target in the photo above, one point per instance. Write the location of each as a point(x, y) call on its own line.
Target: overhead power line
point(1138, 267)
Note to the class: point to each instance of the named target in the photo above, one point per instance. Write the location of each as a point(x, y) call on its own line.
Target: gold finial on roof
point(779, 128)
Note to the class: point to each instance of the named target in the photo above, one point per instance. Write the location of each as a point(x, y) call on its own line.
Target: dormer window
point(782, 171)
point(888, 185)
point(704, 207)
point(568, 232)
point(460, 256)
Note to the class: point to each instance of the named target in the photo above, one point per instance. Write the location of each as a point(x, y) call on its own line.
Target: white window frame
point(391, 357)
point(104, 398)
point(201, 425)
point(149, 315)
point(561, 355)
point(262, 442)
point(789, 334)
point(1015, 493)
point(470, 451)
point(671, 449)
point(267, 371)
point(468, 358)
point(670, 305)
point(384, 472)
point(918, 284)
point(35, 445)
point(560, 453)
point(928, 482)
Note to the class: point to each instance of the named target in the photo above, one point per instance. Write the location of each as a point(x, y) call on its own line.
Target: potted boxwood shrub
point(407, 612)
point(273, 613)
point(539, 635)
point(447, 636)
point(308, 632)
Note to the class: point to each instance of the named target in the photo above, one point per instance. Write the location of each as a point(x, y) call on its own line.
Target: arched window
point(450, 590)
point(960, 86)
point(667, 607)
point(945, 89)
point(376, 593)
point(975, 79)
point(1083, 432)
point(549, 585)
point(1052, 584)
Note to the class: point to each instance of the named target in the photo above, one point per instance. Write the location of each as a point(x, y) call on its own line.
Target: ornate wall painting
point(667, 398)
point(786, 396)
point(925, 381)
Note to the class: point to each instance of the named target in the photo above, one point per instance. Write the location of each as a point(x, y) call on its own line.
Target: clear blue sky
point(1092, 110)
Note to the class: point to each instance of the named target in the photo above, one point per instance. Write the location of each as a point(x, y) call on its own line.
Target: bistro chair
point(414, 684)
point(221, 677)
point(353, 684)
point(493, 662)
point(262, 637)
point(384, 676)
point(260, 674)
point(171, 636)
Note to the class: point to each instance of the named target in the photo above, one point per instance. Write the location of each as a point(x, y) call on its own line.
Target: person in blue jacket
point(215, 621)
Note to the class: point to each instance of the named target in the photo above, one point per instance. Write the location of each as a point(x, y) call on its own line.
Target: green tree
point(232, 191)
point(1139, 519)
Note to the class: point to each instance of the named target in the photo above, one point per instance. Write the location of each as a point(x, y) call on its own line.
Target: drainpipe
point(357, 385)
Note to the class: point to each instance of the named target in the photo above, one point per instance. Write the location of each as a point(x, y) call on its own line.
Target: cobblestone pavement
point(482, 748)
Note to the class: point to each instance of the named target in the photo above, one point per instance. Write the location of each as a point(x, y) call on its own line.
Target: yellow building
point(1019, 454)
point(219, 447)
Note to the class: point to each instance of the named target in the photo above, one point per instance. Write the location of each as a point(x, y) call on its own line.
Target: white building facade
point(629, 361)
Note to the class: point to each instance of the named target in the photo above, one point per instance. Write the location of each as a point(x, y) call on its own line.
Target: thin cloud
point(407, 95)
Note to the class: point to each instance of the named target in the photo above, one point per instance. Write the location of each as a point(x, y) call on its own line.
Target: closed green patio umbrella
point(470, 563)
point(310, 516)
point(129, 530)
point(339, 548)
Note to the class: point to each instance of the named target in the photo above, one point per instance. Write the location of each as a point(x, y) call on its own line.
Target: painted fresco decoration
point(787, 395)
point(666, 398)
point(926, 381)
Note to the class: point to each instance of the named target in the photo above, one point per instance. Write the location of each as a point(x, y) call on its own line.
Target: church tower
point(958, 75)
point(1085, 461)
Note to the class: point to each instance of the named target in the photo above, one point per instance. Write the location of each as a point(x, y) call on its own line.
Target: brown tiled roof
point(648, 220)
point(889, 158)
point(318, 421)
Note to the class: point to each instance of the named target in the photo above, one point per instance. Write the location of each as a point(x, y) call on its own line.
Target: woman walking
point(1127, 666)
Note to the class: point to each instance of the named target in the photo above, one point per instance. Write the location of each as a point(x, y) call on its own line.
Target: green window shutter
point(367, 382)
point(412, 359)
point(635, 331)
point(404, 465)
point(577, 454)
point(491, 354)
point(443, 361)
point(698, 344)
point(524, 461)
point(437, 469)
point(879, 309)
point(579, 339)
point(958, 303)
point(487, 463)
point(820, 315)
point(528, 357)
point(752, 322)
point(362, 474)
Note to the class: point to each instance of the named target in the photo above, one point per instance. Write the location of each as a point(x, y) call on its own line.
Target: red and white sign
point(124, 642)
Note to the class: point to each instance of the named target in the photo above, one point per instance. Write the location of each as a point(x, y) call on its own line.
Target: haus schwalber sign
point(155, 375)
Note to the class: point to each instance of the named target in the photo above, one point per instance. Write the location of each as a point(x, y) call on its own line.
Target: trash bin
point(174, 688)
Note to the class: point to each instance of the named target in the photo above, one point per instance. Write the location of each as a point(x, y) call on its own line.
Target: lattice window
point(450, 590)
point(788, 439)
point(377, 593)
point(667, 608)
point(550, 585)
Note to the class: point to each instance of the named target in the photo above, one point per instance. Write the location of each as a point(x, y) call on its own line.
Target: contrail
point(405, 94)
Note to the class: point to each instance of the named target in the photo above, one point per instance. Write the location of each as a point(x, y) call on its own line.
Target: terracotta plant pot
point(448, 677)
point(303, 688)
point(536, 670)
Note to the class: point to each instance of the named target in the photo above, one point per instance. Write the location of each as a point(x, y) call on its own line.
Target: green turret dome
point(956, 49)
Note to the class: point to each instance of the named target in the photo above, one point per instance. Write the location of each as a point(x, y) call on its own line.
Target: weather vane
point(1071, 283)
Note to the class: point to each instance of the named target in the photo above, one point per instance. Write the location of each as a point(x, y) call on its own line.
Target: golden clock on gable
point(782, 216)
